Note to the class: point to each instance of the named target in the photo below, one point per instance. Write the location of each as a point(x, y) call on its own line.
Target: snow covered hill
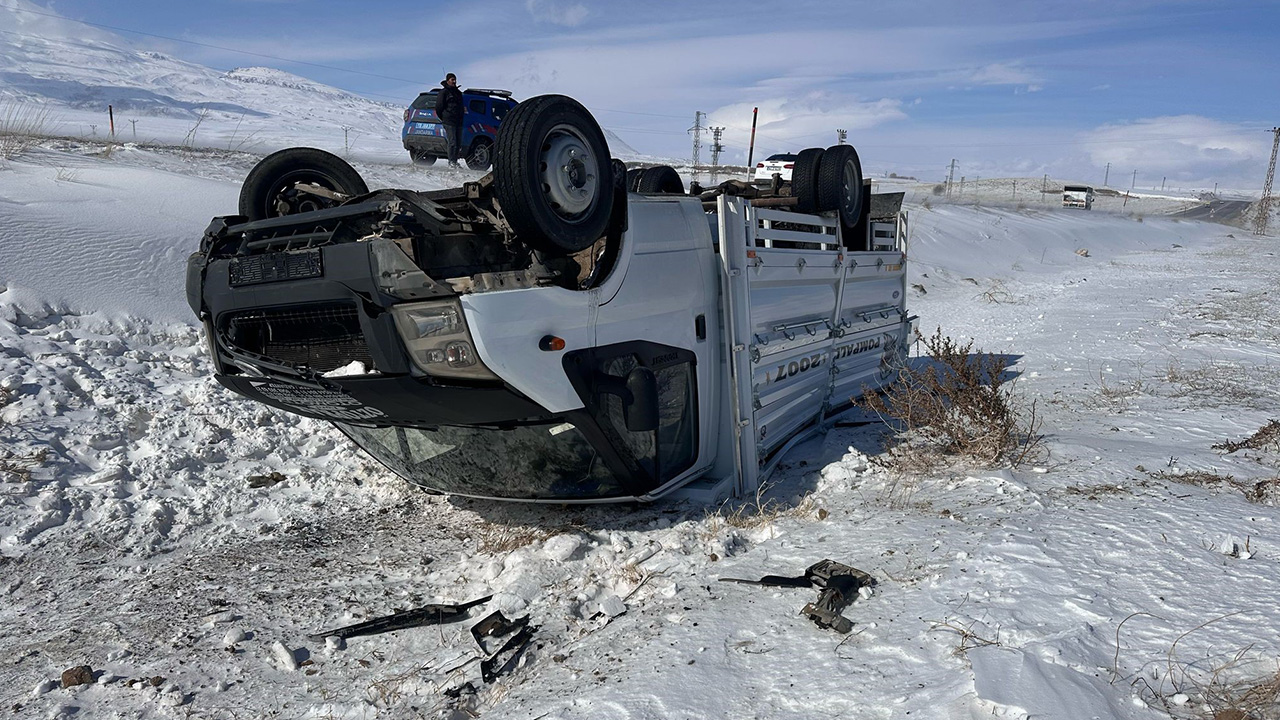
point(76, 71)
point(184, 543)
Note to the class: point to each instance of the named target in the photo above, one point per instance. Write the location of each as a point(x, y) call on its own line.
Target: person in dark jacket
point(449, 109)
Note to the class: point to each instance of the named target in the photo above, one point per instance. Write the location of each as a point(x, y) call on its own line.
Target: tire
point(552, 174)
point(422, 157)
point(268, 189)
point(804, 180)
point(480, 157)
point(660, 179)
point(633, 179)
point(840, 183)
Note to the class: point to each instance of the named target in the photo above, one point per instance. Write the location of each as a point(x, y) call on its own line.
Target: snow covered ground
point(184, 543)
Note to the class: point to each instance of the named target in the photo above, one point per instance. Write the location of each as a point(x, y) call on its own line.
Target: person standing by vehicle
point(449, 110)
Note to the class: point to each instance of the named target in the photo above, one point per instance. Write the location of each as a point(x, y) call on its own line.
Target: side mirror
point(640, 410)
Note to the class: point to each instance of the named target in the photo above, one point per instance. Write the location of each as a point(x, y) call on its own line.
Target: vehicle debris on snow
point(840, 585)
point(434, 614)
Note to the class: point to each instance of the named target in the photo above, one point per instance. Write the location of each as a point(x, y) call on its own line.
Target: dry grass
point(1267, 436)
point(1118, 394)
point(756, 513)
point(961, 405)
point(16, 467)
point(22, 127)
point(1221, 383)
point(969, 637)
point(500, 539)
point(1233, 685)
point(1260, 492)
point(998, 294)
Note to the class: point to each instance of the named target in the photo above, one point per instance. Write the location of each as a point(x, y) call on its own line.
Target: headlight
point(434, 321)
point(436, 336)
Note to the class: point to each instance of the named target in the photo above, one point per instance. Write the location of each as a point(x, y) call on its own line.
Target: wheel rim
point(284, 199)
point(481, 155)
point(570, 172)
point(852, 191)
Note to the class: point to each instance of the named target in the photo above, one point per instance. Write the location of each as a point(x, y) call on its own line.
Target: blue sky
point(1181, 89)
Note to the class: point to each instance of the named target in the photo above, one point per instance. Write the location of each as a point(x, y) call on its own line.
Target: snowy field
point(184, 543)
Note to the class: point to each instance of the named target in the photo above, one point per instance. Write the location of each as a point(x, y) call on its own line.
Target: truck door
point(662, 311)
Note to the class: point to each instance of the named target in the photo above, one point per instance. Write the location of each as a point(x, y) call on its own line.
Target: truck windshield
point(548, 461)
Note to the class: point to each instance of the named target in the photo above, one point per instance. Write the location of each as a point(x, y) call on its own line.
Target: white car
point(782, 163)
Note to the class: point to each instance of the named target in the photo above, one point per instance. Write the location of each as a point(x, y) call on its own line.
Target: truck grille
point(323, 337)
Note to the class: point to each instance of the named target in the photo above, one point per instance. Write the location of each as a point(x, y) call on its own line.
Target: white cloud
point(1003, 74)
point(1183, 147)
point(802, 120)
point(569, 14)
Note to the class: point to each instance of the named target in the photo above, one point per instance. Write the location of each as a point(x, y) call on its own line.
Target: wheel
point(840, 183)
point(661, 179)
point(619, 172)
point(481, 155)
point(422, 157)
point(270, 188)
point(804, 180)
point(633, 179)
point(552, 174)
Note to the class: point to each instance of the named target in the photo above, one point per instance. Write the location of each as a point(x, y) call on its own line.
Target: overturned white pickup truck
point(561, 330)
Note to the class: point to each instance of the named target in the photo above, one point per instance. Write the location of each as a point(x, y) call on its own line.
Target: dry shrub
point(960, 404)
point(1268, 435)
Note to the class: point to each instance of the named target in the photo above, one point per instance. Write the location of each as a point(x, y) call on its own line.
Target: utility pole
point(1134, 184)
point(134, 124)
point(697, 140)
point(716, 148)
point(1166, 177)
point(841, 136)
point(1264, 205)
point(1107, 176)
point(951, 176)
point(1044, 188)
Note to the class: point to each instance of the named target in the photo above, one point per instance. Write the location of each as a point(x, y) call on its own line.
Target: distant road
point(1223, 211)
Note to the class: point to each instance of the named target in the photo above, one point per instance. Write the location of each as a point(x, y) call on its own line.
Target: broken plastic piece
point(493, 626)
point(435, 614)
point(508, 656)
point(840, 585)
point(774, 581)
